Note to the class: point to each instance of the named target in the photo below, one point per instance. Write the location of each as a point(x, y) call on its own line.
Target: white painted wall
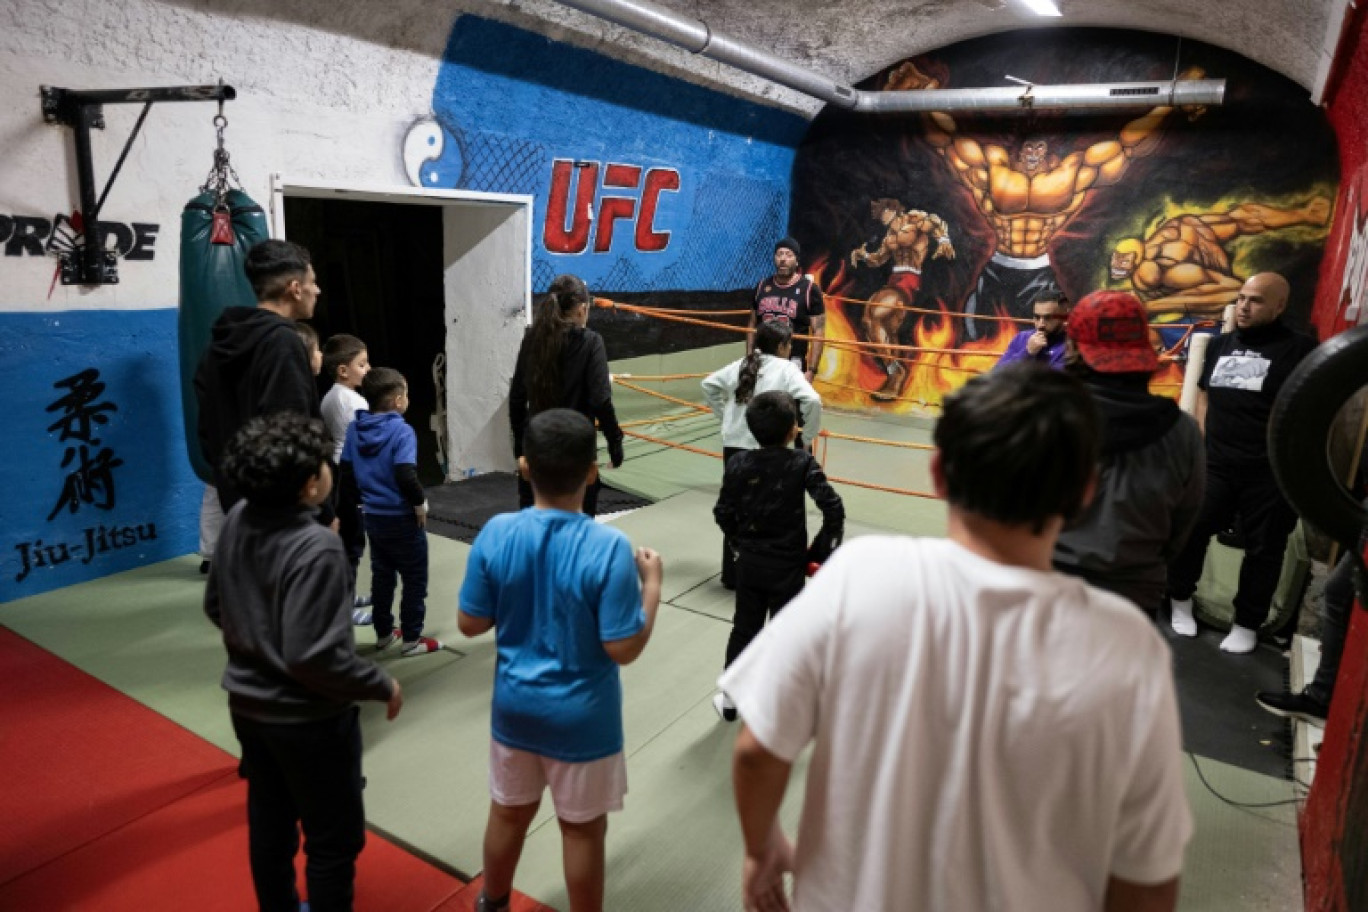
point(311, 103)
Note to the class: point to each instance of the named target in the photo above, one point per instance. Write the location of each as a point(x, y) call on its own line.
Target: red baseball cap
point(1111, 331)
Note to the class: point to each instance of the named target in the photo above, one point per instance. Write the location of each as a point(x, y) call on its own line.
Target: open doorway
point(380, 268)
point(424, 278)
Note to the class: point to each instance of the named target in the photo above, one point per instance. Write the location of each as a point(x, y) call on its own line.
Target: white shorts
point(581, 792)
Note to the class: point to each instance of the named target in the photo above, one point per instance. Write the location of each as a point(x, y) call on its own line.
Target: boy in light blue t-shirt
point(562, 593)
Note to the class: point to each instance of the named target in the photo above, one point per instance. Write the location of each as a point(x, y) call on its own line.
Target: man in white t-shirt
point(988, 734)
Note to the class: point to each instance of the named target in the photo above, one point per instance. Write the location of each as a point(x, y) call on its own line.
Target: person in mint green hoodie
point(379, 468)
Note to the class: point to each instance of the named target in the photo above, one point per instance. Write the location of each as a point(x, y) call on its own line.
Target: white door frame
point(312, 188)
point(478, 272)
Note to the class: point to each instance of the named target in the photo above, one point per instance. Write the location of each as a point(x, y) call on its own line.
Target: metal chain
point(222, 177)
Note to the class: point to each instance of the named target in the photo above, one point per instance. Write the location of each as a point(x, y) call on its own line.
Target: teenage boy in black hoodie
point(279, 587)
point(1153, 473)
point(256, 363)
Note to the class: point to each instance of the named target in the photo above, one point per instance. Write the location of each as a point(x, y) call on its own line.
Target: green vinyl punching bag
point(214, 245)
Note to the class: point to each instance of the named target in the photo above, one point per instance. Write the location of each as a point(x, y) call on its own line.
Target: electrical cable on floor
point(1238, 804)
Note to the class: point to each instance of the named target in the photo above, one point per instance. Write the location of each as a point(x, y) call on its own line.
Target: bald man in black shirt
point(1243, 373)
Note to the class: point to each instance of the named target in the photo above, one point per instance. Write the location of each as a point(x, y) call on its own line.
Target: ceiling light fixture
point(1042, 7)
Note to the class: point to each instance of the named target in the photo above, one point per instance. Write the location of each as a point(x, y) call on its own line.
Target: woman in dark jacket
point(561, 364)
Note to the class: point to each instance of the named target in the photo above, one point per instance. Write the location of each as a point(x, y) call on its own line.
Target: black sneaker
point(485, 904)
point(204, 566)
point(1293, 706)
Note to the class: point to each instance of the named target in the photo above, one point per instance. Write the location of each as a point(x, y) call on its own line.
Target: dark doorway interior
point(380, 268)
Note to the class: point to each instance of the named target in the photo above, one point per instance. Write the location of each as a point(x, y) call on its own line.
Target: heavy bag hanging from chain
point(218, 227)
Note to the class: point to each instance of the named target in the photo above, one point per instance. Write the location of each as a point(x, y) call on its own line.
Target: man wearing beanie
point(1243, 373)
point(790, 295)
point(1151, 475)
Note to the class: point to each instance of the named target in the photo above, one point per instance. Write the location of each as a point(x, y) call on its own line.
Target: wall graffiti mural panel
point(642, 182)
point(937, 230)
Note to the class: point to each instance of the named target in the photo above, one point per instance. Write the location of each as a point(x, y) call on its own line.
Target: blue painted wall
point(138, 502)
point(509, 103)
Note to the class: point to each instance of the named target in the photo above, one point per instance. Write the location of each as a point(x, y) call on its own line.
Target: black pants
point(305, 774)
point(728, 555)
point(399, 549)
point(352, 529)
point(591, 494)
point(1266, 519)
point(1338, 605)
point(762, 588)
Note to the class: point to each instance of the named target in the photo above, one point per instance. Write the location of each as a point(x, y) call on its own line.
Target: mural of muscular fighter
point(906, 242)
point(1182, 267)
point(1027, 198)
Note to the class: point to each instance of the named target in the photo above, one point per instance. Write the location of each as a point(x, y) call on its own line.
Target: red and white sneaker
point(420, 646)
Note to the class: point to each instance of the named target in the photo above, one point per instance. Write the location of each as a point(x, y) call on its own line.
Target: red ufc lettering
point(555, 235)
point(658, 181)
point(612, 208)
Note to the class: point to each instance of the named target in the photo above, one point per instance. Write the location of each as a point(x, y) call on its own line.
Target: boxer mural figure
point(1183, 268)
point(906, 243)
point(1027, 197)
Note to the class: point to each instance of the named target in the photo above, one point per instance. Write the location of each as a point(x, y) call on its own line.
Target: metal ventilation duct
point(696, 37)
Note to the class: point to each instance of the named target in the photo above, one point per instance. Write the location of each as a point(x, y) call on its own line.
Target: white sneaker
point(1240, 640)
point(1181, 619)
point(724, 706)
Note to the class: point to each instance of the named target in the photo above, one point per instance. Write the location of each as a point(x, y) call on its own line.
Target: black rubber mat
point(1216, 699)
point(459, 509)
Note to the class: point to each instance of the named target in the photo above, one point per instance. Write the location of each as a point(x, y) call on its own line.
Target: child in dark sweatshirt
point(763, 513)
point(278, 587)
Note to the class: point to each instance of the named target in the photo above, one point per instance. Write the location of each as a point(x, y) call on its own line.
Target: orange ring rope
point(875, 440)
point(668, 313)
point(669, 443)
point(927, 310)
point(712, 313)
point(860, 389)
point(854, 346)
point(661, 420)
point(845, 481)
point(660, 378)
point(649, 392)
point(878, 487)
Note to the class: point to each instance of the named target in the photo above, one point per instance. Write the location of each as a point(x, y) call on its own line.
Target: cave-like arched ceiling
point(849, 40)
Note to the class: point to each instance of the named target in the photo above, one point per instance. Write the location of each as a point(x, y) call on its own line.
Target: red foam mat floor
point(112, 807)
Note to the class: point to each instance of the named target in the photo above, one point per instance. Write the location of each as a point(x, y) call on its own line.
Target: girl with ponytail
point(729, 390)
point(563, 364)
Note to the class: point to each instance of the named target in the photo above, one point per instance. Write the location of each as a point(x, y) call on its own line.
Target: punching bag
point(214, 245)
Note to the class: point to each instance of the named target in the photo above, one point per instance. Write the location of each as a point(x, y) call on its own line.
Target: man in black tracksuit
point(1152, 473)
point(1243, 373)
point(256, 363)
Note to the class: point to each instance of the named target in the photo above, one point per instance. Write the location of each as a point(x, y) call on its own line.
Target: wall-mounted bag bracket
point(88, 263)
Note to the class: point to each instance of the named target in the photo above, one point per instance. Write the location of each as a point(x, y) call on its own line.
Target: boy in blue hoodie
point(379, 469)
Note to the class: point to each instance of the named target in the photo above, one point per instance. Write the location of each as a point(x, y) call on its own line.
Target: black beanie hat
point(790, 244)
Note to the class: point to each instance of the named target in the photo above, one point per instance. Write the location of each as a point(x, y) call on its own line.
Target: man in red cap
point(1153, 470)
